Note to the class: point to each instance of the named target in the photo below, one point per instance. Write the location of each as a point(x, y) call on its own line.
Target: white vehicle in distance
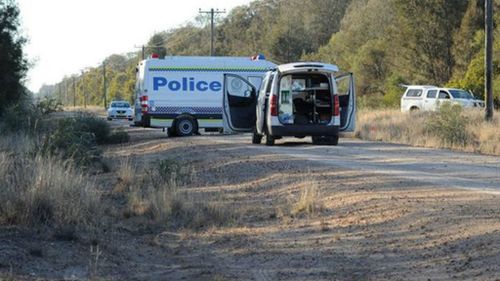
point(120, 110)
point(182, 94)
point(296, 99)
point(430, 98)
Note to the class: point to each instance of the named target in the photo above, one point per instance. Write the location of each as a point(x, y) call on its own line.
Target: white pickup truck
point(429, 98)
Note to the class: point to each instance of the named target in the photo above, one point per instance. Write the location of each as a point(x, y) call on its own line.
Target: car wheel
point(269, 140)
point(186, 126)
point(325, 140)
point(256, 138)
point(110, 119)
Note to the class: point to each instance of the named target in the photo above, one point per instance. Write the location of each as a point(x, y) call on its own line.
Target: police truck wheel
point(256, 138)
point(186, 126)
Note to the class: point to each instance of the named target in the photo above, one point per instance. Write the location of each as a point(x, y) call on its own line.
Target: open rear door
point(347, 101)
point(239, 101)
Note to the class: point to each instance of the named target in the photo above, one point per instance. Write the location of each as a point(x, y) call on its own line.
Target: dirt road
point(373, 212)
point(442, 168)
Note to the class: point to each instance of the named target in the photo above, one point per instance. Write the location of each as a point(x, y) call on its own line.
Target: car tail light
point(144, 103)
point(336, 106)
point(274, 105)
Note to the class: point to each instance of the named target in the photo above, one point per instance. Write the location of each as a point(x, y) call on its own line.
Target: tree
point(13, 65)
point(426, 35)
point(156, 44)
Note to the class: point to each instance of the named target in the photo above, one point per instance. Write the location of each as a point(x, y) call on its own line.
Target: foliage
point(77, 138)
point(384, 42)
point(450, 125)
point(13, 65)
point(118, 137)
point(49, 105)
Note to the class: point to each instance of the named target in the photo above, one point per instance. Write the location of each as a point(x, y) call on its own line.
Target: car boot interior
point(305, 99)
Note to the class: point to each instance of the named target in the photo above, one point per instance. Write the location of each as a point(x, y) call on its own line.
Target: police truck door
point(239, 101)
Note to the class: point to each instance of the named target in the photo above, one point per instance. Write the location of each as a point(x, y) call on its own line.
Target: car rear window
point(414, 93)
point(431, 94)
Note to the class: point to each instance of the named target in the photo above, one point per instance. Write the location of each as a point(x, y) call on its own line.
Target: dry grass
point(309, 202)
point(161, 194)
point(38, 189)
point(428, 129)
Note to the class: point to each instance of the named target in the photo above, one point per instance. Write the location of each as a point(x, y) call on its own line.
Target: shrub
point(23, 116)
point(73, 138)
point(118, 137)
point(49, 105)
point(449, 125)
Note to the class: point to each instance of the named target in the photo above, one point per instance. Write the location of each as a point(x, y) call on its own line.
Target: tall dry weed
point(309, 202)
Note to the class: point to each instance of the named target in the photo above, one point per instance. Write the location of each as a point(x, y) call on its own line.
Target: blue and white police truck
point(183, 93)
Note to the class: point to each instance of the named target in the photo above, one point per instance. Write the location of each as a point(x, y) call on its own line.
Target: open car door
point(347, 101)
point(239, 101)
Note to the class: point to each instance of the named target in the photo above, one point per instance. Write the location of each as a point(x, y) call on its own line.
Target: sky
point(65, 36)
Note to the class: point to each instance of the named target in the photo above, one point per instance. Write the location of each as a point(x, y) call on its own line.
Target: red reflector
point(155, 56)
point(274, 105)
point(144, 103)
point(336, 106)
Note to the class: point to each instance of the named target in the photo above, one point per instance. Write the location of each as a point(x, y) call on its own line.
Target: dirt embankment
point(277, 218)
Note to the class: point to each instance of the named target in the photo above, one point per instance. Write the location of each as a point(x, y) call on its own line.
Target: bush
point(23, 116)
point(450, 126)
point(78, 137)
point(118, 137)
point(49, 105)
point(74, 138)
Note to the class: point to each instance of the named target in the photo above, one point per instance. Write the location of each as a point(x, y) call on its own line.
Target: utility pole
point(212, 12)
point(143, 49)
point(104, 86)
point(83, 90)
point(74, 91)
point(488, 58)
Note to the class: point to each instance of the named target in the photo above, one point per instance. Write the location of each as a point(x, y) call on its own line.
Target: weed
point(309, 201)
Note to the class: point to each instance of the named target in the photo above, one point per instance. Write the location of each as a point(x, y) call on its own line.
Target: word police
point(186, 84)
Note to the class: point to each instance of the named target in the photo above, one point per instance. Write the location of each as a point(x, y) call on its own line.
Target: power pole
point(74, 91)
point(212, 12)
point(488, 81)
point(83, 90)
point(104, 86)
point(143, 49)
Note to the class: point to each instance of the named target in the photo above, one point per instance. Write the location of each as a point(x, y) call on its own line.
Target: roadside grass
point(46, 164)
point(451, 127)
point(160, 194)
point(44, 190)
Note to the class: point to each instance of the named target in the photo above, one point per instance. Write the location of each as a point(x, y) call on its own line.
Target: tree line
point(386, 43)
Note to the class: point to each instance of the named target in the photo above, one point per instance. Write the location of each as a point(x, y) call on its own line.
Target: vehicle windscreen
point(120, 104)
point(460, 94)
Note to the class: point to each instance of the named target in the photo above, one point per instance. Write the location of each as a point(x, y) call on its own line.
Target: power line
point(212, 12)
